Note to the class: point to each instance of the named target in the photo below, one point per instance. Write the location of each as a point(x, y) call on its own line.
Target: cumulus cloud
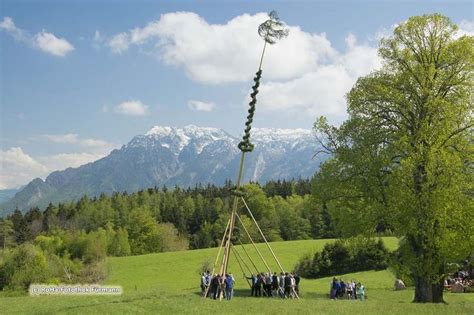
point(322, 91)
point(200, 106)
point(63, 138)
point(71, 138)
point(44, 41)
point(303, 73)
point(18, 168)
point(466, 28)
point(119, 43)
point(64, 160)
point(94, 143)
point(222, 53)
point(132, 108)
point(53, 45)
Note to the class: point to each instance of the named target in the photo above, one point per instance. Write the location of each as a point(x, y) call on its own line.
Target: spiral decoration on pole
point(271, 30)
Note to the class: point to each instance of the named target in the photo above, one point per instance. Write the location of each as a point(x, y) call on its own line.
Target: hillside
point(167, 283)
point(176, 156)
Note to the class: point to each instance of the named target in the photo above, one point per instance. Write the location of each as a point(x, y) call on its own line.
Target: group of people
point(285, 285)
point(346, 290)
point(215, 286)
point(460, 282)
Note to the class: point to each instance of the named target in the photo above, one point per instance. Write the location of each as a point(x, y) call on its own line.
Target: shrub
point(344, 256)
point(23, 266)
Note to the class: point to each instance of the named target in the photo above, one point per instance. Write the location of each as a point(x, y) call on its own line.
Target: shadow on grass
point(245, 293)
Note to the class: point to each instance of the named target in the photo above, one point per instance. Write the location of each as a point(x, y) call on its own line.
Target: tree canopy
point(403, 159)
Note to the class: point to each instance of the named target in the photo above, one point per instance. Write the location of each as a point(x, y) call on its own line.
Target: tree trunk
point(427, 292)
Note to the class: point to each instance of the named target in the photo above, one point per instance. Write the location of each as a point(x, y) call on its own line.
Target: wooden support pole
point(217, 257)
point(248, 256)
point(234, 249)
point(241, 268)
point(253, 243)
point(264, 238)
point(233, 214)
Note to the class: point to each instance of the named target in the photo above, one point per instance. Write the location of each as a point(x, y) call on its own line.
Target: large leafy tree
point(403, 159)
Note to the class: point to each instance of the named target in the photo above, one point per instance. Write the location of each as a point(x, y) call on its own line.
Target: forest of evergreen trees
point(163, 219)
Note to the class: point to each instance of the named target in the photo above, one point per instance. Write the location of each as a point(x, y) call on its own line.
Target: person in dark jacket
point(275, 285)
point(297, 282)
point(214, 287)
point(287, 285)
point(253, 278)
point(258, 285)
point(334, 285)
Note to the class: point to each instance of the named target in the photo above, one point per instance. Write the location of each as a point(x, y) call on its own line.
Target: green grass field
point(168, 283)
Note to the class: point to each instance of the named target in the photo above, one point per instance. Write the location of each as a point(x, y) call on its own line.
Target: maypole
point(271, 31)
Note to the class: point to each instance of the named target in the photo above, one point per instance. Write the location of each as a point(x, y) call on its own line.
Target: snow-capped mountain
point(177, 156)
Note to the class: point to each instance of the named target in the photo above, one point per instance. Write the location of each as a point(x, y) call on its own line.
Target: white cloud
point(64, 138)
point(316, 93)
point(119, 43)
point(8, 24)
point(322, 91)
point(200, 106)
point(49, 43)
point(132, 108)
point(221, 53)
point(301, 73)
point(95, 145)
point(18, 168)
point(64, 160)
point(466, 28)
point(44, 41)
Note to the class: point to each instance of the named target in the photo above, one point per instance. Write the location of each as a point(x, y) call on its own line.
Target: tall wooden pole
point(271, 30)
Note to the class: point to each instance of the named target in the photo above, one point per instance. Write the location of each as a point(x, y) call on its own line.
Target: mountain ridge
point(182, 156)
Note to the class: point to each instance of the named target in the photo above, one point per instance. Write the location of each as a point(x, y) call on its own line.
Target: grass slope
point(167, 283)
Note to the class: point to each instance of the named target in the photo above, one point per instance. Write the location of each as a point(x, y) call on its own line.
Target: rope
point(264, 238)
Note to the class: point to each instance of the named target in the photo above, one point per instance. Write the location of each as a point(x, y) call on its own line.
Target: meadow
point(168, 283)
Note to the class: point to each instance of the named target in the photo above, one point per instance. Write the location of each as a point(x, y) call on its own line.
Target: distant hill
point(7, 194)
point(177, 156)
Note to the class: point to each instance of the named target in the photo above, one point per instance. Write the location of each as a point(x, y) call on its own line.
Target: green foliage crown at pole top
point(272, 29)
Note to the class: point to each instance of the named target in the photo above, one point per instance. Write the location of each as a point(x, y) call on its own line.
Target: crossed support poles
point(228, 246)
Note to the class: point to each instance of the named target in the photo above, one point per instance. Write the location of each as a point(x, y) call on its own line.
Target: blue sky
point(79, 78)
